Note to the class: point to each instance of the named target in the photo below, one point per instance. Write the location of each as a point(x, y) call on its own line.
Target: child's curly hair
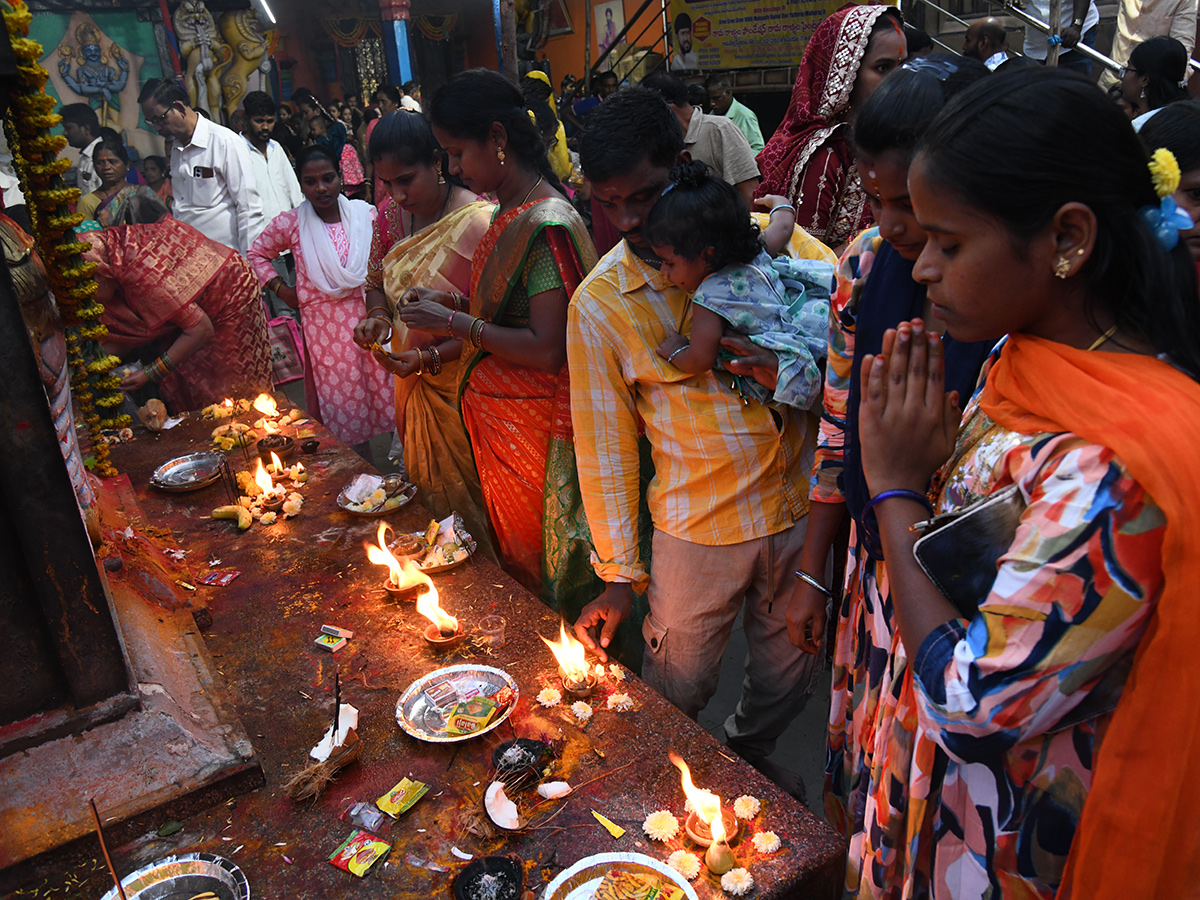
point(699, 210)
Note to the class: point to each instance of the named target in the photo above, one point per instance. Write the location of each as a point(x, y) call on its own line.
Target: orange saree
point(519, 419)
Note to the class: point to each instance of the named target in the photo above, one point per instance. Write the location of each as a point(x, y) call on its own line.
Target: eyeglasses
point(1126, 69)
point(156, 121)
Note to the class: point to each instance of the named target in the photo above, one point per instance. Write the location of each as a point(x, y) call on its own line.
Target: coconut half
point(552, 790)
point(500, 809)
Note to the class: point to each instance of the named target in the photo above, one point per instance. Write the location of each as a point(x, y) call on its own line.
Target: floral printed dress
point(781, 305)
point(1018, 698)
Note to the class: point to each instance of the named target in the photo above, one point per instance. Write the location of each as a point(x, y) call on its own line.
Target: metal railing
point(1016, 12)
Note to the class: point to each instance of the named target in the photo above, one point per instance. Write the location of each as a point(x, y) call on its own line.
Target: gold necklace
point(1104, 337)
point(531, 190)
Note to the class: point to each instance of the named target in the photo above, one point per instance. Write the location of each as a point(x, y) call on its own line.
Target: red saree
point(156, 280)
point(809, 159)
point(518, 418)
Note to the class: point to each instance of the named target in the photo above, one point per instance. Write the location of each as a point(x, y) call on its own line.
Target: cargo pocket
point(654, 634)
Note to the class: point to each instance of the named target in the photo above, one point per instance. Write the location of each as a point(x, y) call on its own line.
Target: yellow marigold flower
point(72, 247)
point(26, 50)
point(1164, 172)
point(19, 20)
point(92, 419)
point(82, 293)
point(110, 400)
point(33, 76)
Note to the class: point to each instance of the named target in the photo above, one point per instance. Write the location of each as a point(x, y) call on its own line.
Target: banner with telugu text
point(735, 34)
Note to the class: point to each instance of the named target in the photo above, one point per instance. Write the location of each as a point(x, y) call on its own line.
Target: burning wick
point(276, 465)
point(719, 858)
point(266, 405)
point(427, 605)
point(401, 577)
point(577, 675)
point(271, 492)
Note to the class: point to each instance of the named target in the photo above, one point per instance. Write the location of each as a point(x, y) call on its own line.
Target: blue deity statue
point(93, 77)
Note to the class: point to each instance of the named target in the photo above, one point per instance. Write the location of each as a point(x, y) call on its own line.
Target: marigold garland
point(40, 169)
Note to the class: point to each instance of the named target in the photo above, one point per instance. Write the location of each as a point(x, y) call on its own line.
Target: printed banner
point(734, 34)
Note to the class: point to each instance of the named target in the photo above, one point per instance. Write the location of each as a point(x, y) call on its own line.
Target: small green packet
point(401, 798)
point(470, 716)
point(359, 852)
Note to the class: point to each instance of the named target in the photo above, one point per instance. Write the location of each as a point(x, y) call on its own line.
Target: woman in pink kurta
point(329, 236)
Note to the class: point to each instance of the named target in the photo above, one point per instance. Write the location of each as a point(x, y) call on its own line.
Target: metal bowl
point(188, 473)
point(184, 876)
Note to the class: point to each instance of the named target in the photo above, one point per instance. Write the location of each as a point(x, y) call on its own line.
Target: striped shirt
point(724, 471)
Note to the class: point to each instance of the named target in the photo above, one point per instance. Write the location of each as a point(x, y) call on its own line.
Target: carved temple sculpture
point(87, 72)
point(250, 65)
point(204, 54)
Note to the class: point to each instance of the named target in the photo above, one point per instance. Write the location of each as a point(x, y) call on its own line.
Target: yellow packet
point(401, 798)
point(470, 716)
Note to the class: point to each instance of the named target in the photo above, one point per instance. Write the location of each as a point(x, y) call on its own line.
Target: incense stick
point(100, 834)
point(337, 706)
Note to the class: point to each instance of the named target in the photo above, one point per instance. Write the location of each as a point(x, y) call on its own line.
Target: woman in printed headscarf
point(810, 157)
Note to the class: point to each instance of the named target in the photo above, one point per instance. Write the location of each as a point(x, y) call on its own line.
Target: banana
point(244, 519)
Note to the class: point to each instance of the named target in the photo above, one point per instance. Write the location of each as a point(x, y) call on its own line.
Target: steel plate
point(184, 876)
point(188, 473)
point(422, 717)
point(579, 882)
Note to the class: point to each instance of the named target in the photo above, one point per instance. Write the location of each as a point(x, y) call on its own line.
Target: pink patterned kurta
point(355, 394)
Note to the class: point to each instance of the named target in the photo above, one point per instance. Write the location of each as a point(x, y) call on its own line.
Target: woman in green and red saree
point(515, 392)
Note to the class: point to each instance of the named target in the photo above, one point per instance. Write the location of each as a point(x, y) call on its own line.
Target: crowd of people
point(661, 366)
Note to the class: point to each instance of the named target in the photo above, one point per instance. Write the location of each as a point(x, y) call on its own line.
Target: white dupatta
point(325, 270)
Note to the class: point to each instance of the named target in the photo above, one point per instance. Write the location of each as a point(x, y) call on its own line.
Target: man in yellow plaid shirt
point(728, 499)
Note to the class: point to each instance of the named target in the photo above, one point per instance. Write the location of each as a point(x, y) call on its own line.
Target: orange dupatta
point(1139, 836)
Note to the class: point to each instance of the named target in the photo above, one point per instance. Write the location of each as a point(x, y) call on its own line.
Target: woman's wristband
point(871, 538)
point(775, 209)
point(812, 582)
point(677, 351)
point(274, 284)
point(450, 324)
point(383, 309)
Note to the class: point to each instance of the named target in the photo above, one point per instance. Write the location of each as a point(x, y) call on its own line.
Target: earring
point(1062, 267)
point(1143, 93)
point(1079, 252)
point(500, 154)
point(442, 180)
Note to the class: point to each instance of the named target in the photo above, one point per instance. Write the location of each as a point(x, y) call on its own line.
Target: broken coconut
point(500, 809)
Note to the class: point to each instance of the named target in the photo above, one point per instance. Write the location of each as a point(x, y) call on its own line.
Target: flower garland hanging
point(39, 168)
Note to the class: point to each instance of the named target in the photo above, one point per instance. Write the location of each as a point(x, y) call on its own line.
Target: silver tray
point(184, 876)
point(465, 539)
point(579, 882)
point(417, 714)
point(188, 473)
point(406, 493)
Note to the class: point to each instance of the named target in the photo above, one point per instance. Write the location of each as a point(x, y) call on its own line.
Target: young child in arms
point(710, 247)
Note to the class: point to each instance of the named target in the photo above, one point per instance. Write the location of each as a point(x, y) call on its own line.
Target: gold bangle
point(384, 309)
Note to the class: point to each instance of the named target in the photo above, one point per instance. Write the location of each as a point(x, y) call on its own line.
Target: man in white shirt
point(987, 41)
point(684, 59)
point(273, 171)
point(82, 131)
point(212, 176)
point(1078, 26)
point(276, 182)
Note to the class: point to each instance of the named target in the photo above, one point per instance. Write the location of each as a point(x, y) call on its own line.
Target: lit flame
point(399, 577)
point(276, 465)
point(228, 403)
point(269, 426)
point(427, 603)
point(570, 655)
point(263, 480)
point(266, 405)
point(706, 803)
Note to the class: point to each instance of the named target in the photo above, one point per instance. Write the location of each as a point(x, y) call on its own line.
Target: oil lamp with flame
point(406, 579)
point(273, 495)
point(401, 580)
point(578, 678)
point(710, 824)
point(266, 405)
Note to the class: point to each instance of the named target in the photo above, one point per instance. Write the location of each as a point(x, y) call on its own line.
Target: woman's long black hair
point(1164, 62)
point(469, 103)
point(1177, 128)
point(1019, 146)
point(699, 211)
